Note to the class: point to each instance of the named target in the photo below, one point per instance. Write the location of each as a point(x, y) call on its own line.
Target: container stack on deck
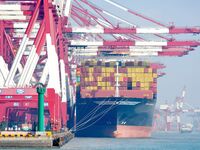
point(98, 79)
point(129, 113)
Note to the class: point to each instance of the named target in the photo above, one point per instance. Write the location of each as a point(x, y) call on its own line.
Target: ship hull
point(124, 131)
point(114, 117)
point(135, 119)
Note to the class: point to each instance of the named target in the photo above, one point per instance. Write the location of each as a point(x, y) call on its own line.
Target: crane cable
point(90, 113)
point(102, 114)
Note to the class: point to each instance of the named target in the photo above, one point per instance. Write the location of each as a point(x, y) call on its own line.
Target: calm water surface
point(159, 141)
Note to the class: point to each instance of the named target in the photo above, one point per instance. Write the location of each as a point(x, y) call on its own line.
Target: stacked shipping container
point(137, 79)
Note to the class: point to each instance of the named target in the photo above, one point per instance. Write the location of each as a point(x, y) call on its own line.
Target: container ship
point(115, 99)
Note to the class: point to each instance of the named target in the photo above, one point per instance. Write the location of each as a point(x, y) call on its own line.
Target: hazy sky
point(179, 71)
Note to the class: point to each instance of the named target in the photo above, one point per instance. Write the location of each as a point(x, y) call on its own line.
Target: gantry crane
point(40, 41)
point(173, 112)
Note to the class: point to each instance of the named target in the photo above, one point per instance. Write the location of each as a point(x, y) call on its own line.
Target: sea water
point(158, 141)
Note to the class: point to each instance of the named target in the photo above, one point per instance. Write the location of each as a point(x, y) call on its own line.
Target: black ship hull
point(114, 117)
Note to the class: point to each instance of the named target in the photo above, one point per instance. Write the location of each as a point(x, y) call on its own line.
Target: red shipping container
point(153, 84)
point(112, 74)
point(136, 88)
point(136, 94)
point(94, 83)
point(122, 70)
point(125, 79)
point(105, 93)
point(104, 79)
point(112, 79)
point(121, 83)
point(145, 70)
point(137, 84)
point(112, 84)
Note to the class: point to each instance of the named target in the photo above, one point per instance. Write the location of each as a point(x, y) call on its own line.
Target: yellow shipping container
point(91, 69)
point(103, 88)
point(146, 75)
point(142, 79)
point(99, 79)
point(137, 78)
point(90, 74)
point(155, 75)
point(134, 70)
point(124, 75)
point(134, 79)
point(90, 79)
point(146, 84)
point(134, 84)
point(137, 70)
point(133, 75)
point(136, 74)
point(111, 69)
point(142, 84)
point(129, 75)
point(94, 88)
point(142, 75)
point(142, 70)
point(107, 83)
point(107, 74)
point(146, 79)
point(150, 70)
point(103, 69)
point(86, 80)
point(120, 78)
point(98, 83)
point(129, 69)
point(151, 79)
